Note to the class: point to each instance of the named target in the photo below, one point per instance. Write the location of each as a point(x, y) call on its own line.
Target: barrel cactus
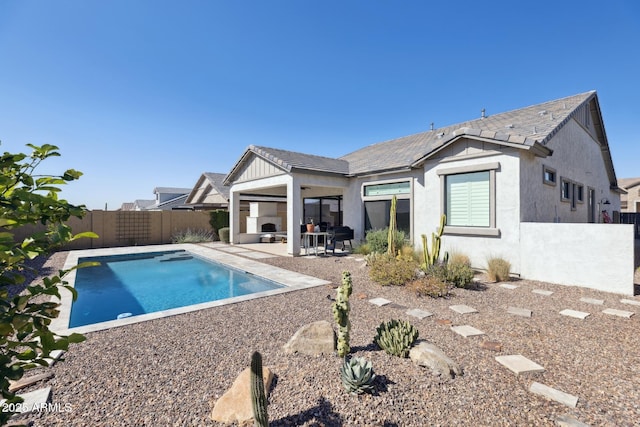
point(396, 337)
point(357, 375)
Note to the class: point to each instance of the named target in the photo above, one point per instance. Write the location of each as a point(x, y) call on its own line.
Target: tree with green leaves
point(29, 199)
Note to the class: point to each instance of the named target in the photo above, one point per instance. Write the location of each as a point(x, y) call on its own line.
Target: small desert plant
point(341, 310)
point(431, 257)
point(498, 269)
point(362, 249)
point(357, 375)
point(258, 396)
point(378, 240)
point(396, 337)
point(459, 258)
point(430, 286)
point(192, 236)
point(224, 234)
point(390, 270)
point(459, 274)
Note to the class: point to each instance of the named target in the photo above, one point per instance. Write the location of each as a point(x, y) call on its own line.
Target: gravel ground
point(168, 372)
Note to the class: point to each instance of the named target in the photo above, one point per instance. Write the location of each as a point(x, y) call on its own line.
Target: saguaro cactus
point(341, 310)
point(258, 396)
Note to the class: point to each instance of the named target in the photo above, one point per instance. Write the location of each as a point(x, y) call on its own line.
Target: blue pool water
point(130, 285)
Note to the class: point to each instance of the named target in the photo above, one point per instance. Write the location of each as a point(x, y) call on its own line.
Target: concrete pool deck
point(290, 280)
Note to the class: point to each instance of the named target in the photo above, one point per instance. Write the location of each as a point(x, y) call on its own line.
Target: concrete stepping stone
point(463, 309)
point(509, 286)
point(553, 394)
point(542, 292)
point(420, 314)
point(569, 421)
point(592, 301)
point(619, 313)
point(574, 313)
point(466, 331)
point(33, 400)
point(519, 311)
point(630, 301)
point(379, 301)
point(519, 364)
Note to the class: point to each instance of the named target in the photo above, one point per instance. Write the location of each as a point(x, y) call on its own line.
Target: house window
point(580, 193)
point(573, 195)
point(468, 199)
point(377, 205)
point(548, 175)
point(565, 190)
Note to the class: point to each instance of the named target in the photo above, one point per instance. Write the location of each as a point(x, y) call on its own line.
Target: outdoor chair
point(340, 234)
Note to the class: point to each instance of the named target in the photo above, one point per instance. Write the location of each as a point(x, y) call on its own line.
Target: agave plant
point(357, 375)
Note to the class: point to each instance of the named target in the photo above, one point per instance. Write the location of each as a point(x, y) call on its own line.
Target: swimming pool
point(134, 284)
point(286, 280)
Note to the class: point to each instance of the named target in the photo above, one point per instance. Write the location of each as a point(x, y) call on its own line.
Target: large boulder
point(313, 339)
point(235, 404)
point(430, 356)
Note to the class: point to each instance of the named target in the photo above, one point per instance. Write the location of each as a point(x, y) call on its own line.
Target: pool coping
point(290, 280)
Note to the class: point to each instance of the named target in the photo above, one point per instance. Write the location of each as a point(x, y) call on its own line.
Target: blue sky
point(144, 94)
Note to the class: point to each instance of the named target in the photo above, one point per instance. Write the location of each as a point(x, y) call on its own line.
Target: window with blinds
point(468, 199)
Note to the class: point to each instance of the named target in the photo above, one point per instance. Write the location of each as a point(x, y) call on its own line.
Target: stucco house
point(630, 201)
point(209, 193)
point(544, 163)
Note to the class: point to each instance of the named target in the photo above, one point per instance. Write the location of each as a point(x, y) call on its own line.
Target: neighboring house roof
point(127, 206)
point(143, 204)
point(175, 203)
point(528, 128)
point(628, 182)
point(171, 190)
point(207, 183)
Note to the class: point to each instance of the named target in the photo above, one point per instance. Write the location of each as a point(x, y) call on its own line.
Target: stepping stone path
point(542, 292)
point(463, 309)
point(519, 311)
point(573, 313)
point(466, 331)
point(379, 301)
point(34, 400)
point(568, 421)
point(509, 286)
point(519, 364)
point(553, 394)
point(619, 313)
point(630, 301)
point(420, 314)
point(592, 301)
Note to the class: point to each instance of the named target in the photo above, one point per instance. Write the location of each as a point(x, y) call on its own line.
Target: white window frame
point(491, 230)
point(403, 196)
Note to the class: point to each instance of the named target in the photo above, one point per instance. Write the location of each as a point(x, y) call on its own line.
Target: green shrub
point(223, 233)
point(389, 270)
point(498, 269)
point(218, 219)
point(459, 274)
point(377, 240)
point(396, 337)
point(192, 236)
point(438, 271)
point(430, 286)
point(362, 249)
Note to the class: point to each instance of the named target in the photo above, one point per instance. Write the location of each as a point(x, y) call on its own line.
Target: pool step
point(175, 257)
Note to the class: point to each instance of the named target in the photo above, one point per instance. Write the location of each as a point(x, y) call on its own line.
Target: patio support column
point(294, 215)
point(234, 217)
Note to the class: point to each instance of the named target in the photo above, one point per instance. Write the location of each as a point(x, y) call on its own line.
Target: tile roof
point(293, 160)
point(628, 182)
point(525, 126)
point(216, 180)
point(171, 190)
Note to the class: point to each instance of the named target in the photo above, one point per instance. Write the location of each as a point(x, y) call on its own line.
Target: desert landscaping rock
point(524, 312)
point(165, 372)
point(491, 345)
point(553, 394)
point(619, 313)
point(519, 364)
point(235, 404)
point(428, 355)
point(593, 301)
point(574, 313)
point(313, 339)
